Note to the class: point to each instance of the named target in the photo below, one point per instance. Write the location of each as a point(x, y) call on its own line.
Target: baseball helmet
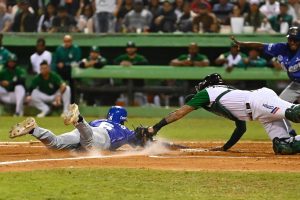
point(209, 80)
point(294, 33)
point(117, 114)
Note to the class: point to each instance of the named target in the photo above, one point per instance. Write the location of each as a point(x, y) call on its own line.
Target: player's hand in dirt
point(217, 149)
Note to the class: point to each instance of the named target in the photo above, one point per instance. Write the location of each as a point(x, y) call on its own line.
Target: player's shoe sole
point(72, 115)
point(23, 127)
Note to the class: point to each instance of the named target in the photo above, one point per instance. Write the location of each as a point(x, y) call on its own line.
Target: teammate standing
point(103, 134)
point(288, 55)
point(239, 106)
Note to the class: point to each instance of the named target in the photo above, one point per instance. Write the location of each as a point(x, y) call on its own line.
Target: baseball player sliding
point(239, 106)
point(104, 134)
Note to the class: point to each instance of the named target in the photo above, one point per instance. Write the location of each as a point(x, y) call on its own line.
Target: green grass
point(185, 129)
point(148, 184)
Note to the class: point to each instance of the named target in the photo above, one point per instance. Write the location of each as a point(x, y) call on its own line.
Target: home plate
point(194, 150)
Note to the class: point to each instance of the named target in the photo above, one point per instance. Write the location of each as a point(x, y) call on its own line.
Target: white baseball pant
point(15, 97)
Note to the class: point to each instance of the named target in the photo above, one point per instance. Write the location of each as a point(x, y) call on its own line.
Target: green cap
point(95, 49)
point(12, 57)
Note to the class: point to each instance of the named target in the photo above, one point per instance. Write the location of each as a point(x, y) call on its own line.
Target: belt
point(249, 111)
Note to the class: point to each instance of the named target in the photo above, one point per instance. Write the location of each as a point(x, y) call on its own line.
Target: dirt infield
point(245, 156)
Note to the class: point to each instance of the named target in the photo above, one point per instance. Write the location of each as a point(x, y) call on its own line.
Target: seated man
point(230, 59)
point(95, 59)
point(240, 106)
point(48, 87)
point(12, 81)
point(253, 60)
point(104, 134)
point(193, 58)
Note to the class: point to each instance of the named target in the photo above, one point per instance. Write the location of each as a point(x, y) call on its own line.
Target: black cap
point(130, 44)
point(283, 3)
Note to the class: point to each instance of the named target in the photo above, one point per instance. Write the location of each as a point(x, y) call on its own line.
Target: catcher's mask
point(117, 114)
point(209, 80)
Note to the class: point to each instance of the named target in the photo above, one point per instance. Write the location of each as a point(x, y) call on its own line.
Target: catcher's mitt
point(143, 135)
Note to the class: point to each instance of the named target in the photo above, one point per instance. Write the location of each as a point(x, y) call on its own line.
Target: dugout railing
point(163, 73)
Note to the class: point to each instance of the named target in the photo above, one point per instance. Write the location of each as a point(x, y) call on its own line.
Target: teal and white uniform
point(242, 105)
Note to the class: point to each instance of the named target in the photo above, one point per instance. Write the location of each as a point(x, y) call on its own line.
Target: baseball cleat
point(23, 127)
point(72, 114)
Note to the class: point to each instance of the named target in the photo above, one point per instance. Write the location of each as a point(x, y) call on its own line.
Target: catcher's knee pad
point(293, 113)
point(286, 146)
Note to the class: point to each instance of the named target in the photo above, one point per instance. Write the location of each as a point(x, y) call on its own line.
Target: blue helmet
point(117, 114)
point(294, 33)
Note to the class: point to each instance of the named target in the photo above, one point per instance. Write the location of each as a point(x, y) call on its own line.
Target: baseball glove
point(143, 135)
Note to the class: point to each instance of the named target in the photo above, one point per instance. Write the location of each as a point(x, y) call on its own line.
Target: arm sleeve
point(236, 135)
point(274, 49)
point(34, 83)
point(142, 61)
point(118, 60)
point(199, 100)
point(77, 54)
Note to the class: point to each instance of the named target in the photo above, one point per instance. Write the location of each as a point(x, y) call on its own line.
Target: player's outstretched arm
point(254, 45)
point(172, 117)
point(235, 137)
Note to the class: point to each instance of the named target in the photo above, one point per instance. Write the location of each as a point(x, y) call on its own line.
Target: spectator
point(185, 22)
point(48, 87)
point(66, 56)
point(283, 17)
point(131, 57)
point(179, 8)
point(222, 10)
point(46, 20)
point(205, 21)
point(105, 15)
point(154, 7)
point(294, 10)
point(244, 7)
point(166, 18)
point(253, 60)
point(126, 7)
point(254, 18)
point(230, 59)
point(12, 81)
point(4, 53)
point(63, 22)
point(95, 59)
point(139, 19)
point(85, 19)
point(5, 19)
point(39, 56)
point(24, 20)
point(193, 58)
point(270, 8)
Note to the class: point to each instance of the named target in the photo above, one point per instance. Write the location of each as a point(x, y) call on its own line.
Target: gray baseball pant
point(83, 137)
point(15, 97)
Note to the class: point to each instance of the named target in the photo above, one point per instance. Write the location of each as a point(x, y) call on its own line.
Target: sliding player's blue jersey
point(289, 60)
point(119, 134)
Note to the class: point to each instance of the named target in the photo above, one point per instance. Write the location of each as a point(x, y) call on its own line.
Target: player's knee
point(293, 113)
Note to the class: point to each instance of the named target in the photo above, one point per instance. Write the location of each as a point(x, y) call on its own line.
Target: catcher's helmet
point(117, 114)
point(294, 33)
point(209, 80)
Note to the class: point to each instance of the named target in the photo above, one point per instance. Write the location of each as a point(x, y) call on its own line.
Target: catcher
point(103, 134)
point(239, 106)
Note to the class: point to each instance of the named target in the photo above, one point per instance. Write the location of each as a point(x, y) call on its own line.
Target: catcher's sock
point(80, 119)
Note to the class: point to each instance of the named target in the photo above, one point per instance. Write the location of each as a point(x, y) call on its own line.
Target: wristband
point(160, 124)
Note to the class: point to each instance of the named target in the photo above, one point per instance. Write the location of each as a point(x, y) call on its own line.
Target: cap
point(23, 2)
point(232, 44)
point(257, 2)
point(95, 49)
point(283, 3)
point(138, 1)
point(202, 5)
point(12, 57)
point(130, 44)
